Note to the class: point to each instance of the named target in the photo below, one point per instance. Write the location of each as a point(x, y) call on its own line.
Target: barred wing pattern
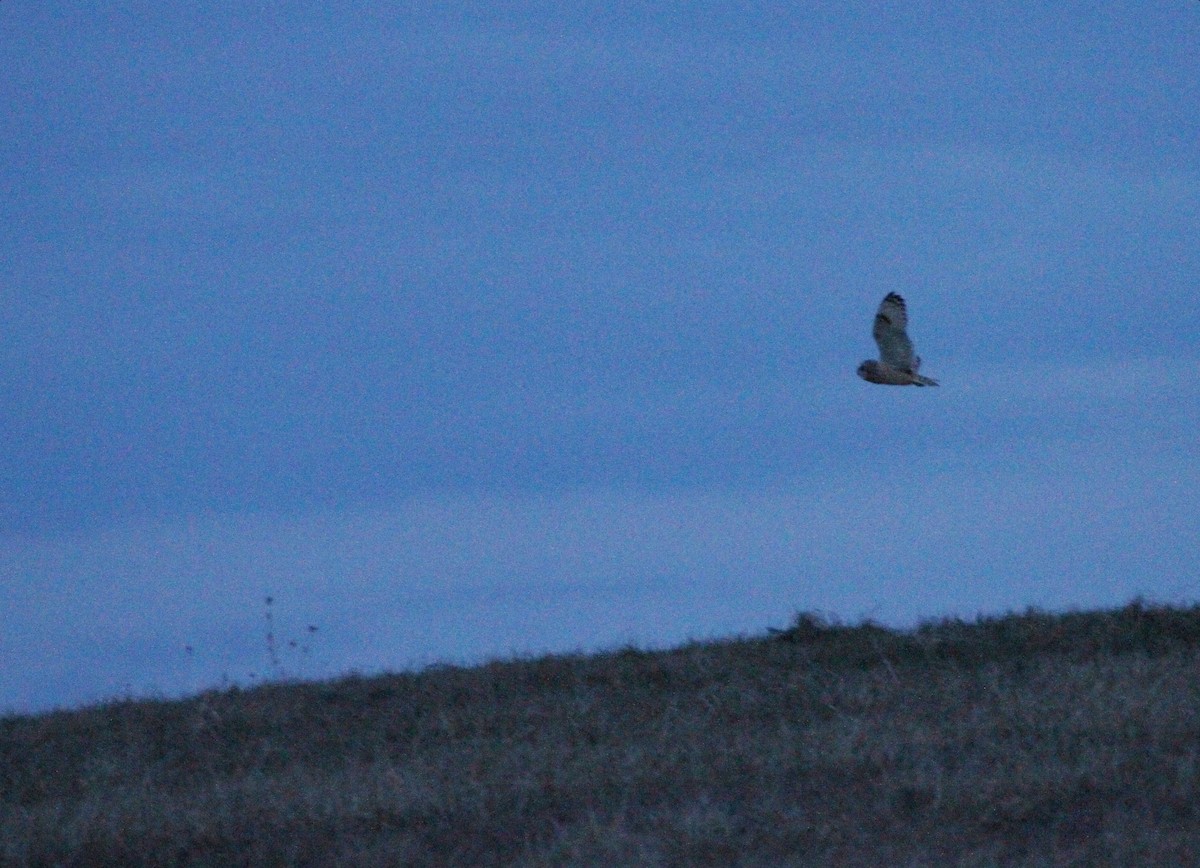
point(895, 347)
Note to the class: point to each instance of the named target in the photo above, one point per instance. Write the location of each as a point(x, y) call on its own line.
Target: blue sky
point(465, 332)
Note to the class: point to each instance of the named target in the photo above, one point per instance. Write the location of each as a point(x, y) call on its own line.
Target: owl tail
point(918, 380)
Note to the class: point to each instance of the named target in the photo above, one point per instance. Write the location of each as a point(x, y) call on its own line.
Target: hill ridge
point(1031, 737)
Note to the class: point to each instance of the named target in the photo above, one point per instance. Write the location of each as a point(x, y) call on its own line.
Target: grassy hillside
point(1034, 738)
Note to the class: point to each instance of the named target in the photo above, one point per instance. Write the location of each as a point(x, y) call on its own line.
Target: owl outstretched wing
point(895, 348)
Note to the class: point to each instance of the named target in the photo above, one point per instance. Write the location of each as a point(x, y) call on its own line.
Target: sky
point(461, 331)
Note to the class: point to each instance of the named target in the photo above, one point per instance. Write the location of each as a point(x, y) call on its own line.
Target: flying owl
point(898, 364)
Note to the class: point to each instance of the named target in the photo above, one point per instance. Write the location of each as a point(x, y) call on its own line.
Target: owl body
point(874, 372)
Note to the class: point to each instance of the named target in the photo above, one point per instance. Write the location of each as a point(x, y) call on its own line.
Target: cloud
point(466, 578)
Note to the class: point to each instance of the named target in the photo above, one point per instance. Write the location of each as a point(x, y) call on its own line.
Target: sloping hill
point(1032, 738)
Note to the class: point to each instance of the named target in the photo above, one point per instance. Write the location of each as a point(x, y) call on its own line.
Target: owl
point(898, 364)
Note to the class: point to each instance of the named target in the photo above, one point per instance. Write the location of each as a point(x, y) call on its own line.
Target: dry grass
point(1030, 739)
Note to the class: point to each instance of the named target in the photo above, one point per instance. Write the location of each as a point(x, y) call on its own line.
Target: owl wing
point(895, 348)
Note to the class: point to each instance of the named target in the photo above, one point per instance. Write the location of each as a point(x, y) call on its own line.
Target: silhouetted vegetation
point(1031, 738)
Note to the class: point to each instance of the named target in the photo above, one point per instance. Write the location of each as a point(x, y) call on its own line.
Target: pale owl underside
point(898, 363)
